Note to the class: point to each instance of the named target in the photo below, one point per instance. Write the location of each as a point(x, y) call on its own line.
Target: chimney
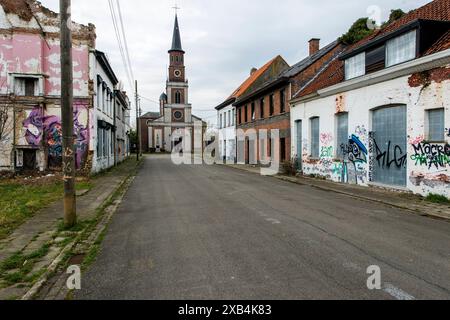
point(314, 46)
point(253, 71)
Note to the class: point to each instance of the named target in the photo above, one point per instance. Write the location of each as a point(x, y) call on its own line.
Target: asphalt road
point(212, 232)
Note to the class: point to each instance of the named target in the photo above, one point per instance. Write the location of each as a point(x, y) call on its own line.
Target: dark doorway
point(283, 149)
point(29, 160)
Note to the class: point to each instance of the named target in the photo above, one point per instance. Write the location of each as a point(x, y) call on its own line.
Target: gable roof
point(333, 73)
point(247, 84)
point(299, 67)
point(308, 61)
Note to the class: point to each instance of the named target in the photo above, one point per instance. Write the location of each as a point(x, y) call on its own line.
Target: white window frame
point(355, 66)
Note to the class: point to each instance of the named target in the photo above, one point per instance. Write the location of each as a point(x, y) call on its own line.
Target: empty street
point(213, 232)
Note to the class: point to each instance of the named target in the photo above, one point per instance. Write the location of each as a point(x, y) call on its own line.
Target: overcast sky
point(223, 39)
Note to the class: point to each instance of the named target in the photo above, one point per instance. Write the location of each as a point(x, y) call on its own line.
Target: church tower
point(177, 109)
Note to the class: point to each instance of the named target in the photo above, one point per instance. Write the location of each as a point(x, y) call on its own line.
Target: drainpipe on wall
point(115, 129)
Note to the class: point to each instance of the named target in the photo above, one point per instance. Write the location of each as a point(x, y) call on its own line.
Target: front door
point(389, 146)
point(158, 140)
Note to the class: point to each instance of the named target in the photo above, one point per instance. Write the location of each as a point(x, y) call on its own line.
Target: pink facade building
point(30, 87)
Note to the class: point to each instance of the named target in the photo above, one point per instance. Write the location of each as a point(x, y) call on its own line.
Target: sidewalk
point(38, 238)
point(401, 200)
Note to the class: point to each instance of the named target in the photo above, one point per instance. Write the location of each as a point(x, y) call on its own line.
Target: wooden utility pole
point(70, 214)
point(138, 133)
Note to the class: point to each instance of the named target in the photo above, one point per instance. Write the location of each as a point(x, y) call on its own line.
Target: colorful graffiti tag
point(355, 152)
point(46, 131)
point(431, 155)
point(34, 127)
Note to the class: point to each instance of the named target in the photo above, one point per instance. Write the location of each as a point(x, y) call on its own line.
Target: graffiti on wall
point(390, 155)
point(33, 126)
point(355, 153)
point(46, 131)
point(431, 155)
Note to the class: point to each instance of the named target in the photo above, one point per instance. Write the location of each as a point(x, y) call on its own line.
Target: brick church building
point(157, 128)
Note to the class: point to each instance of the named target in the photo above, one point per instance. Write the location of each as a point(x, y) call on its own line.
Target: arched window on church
point(178, 97)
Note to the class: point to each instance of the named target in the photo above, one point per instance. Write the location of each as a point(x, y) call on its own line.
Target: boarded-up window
point(436, 126)
point(342, 135)
point(315, 137)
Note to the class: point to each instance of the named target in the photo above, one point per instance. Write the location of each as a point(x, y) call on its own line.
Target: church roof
point(176, 39)
point(151, 115)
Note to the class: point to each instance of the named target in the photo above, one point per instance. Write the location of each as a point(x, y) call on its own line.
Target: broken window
point(24, 86)
point(271, 105)
point(282, 101)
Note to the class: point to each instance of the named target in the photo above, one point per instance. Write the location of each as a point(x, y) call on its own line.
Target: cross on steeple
point(176, 8)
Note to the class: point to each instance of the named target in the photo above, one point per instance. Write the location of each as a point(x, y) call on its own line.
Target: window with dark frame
point(271, 105)
point(282, 101)
point(253, 112)
point(246, 114)
point(261, 108)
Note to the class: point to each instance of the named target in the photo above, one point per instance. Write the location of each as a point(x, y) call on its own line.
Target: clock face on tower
point(178, 115)
point(177, 73)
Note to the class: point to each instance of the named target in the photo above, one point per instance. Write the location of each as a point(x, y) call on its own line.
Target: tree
point(394, 16)
point(359, 30)
point(133, 140)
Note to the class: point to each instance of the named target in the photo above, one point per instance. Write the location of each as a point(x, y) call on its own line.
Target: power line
point(125, 39)
point(119, 42)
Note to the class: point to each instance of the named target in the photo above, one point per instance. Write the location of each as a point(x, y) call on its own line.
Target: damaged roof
point(36, 16)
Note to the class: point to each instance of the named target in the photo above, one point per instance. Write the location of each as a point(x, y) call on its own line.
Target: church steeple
point(176, 56)
point(176, 39)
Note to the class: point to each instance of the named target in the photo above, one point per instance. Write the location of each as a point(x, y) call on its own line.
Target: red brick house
point(266, 106)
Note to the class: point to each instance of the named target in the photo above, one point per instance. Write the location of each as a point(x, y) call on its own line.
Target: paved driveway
point(212, 232)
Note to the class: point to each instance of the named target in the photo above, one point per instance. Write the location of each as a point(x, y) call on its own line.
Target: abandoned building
point(30, 113)
point(377, 114)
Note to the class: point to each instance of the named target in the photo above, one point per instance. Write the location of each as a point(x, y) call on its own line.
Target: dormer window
point(401, 49)
point(355, 66)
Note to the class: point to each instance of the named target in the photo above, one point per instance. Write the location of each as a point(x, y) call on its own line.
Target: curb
point(356, 196)
point(30, 294)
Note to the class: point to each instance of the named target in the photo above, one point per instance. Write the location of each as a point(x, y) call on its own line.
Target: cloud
point(223, 40)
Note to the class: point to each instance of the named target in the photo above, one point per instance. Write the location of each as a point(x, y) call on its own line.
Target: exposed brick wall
point(278, 120)
point(303, 77)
